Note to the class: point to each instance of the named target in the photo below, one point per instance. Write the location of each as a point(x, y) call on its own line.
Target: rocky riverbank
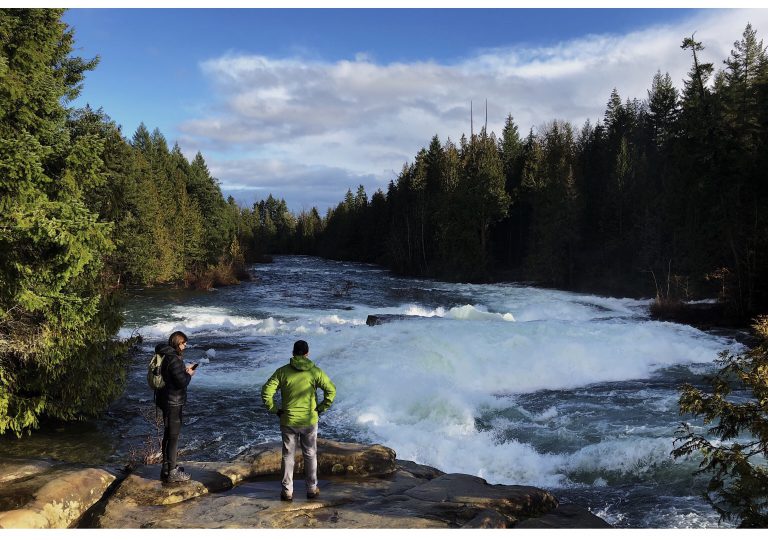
point(362, 486)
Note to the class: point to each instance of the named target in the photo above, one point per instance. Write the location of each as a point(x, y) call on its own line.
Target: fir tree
point(57, 318)
point(734, 450)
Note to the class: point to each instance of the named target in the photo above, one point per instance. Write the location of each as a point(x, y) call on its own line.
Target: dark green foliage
point(273, 226)
point(82, 213)
point(479, 201)
point(508, 234)
point(440, 210)
point(735, 449)
point(57, 318)
point(205, 191)
point(663, 109)
point(172, 223)
point(548, 185)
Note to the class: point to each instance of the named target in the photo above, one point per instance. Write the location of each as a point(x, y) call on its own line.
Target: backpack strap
point(163, 365)
point(162, 374)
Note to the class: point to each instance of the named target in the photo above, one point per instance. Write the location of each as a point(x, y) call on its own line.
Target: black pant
point(170, 445)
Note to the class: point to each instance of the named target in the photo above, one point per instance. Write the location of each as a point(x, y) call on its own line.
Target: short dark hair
point(176, 339)
point(300, 348)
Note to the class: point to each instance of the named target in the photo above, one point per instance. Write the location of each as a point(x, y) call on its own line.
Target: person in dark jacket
point(171, 399)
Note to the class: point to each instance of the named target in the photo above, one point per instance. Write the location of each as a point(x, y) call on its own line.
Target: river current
point(519, 385)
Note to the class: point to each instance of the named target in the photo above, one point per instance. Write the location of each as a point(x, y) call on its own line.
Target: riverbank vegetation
point(735, 447)
point(84, 212)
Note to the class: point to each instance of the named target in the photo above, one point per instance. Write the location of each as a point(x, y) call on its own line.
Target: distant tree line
point(670, 188)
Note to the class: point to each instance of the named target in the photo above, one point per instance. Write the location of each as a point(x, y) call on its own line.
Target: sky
point(307, 103)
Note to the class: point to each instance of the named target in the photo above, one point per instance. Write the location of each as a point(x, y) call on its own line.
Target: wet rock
point(56, 499)
point(473, 490)
point(399, 500)
point(383, 318)
point(565, 516)
point(419, 471)
point(12, 469)
point(361, 486)
point(144, 488)
point(489, 519)
point(333, 459)
point(342, 504)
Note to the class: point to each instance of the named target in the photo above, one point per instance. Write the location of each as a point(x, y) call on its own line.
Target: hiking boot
point(285, 496)
point(313, 493)
point(178, 475)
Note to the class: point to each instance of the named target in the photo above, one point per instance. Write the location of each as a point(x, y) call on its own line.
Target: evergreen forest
point(663, 196)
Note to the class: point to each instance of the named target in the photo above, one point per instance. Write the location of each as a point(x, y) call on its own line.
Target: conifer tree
point(509, 229)
point(479, 201)
point(746, 65)
point(205, 190)
point(548, 179)
point(663, 108)
point(735, 448)
point(57, 318)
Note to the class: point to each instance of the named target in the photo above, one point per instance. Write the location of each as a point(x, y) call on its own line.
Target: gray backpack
point(154, 375)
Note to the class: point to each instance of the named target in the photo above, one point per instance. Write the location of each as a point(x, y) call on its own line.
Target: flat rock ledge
point(362, 486)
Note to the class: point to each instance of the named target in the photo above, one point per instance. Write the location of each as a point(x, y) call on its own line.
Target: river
point(519, 385)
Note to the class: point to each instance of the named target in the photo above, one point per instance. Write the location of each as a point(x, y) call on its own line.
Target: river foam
point(418, 386)
point(515, 384)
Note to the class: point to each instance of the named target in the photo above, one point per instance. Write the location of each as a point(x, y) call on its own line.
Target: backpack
point(154, 374)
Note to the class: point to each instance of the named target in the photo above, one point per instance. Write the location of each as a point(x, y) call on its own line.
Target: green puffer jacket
point(298, 382)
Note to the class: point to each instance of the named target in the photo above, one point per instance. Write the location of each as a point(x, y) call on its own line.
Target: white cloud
point(302, 186)
point(301, 125)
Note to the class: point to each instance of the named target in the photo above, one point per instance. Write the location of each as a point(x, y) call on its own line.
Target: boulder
point(12, 469)
point(55, 499)
point(488, 519)
point(419, 471)
point(383, 318)
point(565, 516)
point(333, 459)
point(144, 488)
point(511, 501)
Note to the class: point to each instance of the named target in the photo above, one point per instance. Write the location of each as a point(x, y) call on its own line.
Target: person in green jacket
point(298, 382)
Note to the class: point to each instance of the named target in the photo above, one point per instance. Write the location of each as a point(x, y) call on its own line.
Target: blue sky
point(305, 103)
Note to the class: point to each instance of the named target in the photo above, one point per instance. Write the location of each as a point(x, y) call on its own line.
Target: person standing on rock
point(171, 399)
point(298, 382)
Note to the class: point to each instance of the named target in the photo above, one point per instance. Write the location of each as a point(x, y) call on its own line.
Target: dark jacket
point(176, 378)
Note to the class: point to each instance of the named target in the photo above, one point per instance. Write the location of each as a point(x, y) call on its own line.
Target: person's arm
point(177, 373)
point(268, 393)
point(329, 391)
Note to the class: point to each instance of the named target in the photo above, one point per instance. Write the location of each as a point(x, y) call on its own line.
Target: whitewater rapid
point(516, 384)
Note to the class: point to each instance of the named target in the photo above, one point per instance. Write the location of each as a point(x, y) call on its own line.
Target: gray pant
point(308, 439)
